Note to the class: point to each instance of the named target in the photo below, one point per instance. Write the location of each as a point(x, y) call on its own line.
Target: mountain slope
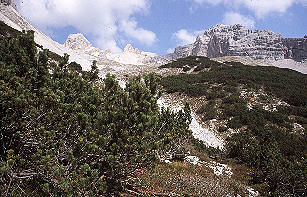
point(261, 113)
point(63, 134)
point(10, 16)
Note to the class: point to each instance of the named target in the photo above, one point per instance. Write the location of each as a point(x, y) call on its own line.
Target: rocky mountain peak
point(225, 28)
point(8, 3)
point(77, 42)
point(236, 40)
point(129, 49)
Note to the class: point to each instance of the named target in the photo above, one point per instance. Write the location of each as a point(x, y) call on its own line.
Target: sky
point(159, 25)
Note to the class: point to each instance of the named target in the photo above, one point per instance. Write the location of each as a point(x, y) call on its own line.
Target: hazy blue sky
point(159, 25)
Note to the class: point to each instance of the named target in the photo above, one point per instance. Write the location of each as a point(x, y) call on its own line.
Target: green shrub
point(63, 136)
point(289, 85)
point(190, 62)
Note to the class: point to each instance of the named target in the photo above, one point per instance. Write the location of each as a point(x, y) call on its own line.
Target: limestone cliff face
point(236, 40)
point(183, 51)
point(296, 48)
point(77, 42)
point(8, 3)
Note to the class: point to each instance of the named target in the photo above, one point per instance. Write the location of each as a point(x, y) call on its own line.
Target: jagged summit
point(222, 27)
point(236, 40)
point(129, 49)
point(77, 42)
point(218, 41)
point(130, 55)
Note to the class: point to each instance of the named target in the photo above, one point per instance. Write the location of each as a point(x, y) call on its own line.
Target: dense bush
point(278, 158)
point(6, 30)
point(208, 110)
point(63, 136)
point(187, 63)
point(289, 85)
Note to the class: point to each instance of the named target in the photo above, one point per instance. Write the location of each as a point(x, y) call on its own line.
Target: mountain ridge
point(10, 16)
point(235, 40)
point(77, 46)
point(78, 42)
point(218, 41)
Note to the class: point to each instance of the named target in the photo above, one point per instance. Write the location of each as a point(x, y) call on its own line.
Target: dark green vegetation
point(266, 142)
point(286, 84)
point(6, 30)
point(61, 135)
point(190, 62)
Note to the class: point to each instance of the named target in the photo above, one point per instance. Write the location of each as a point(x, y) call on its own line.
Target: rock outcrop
point(129, 49)
point(296, 48)
point(9, 3)
point(79, 44)
point(130, 55)
point(183, 51)
point(236, 40)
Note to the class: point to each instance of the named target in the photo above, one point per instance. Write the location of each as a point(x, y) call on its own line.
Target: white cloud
point(184, 37)
point(261, 8)
point(214, 2)
point(107, 20)
point(140, 34)
point(231, 18)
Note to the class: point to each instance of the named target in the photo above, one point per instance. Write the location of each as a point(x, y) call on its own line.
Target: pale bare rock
point(193, 160)
point(283, 63)
point(10, 16)
point(77, 42)
point(131, 56)
point(291, 64)
point(235, 40)
point(219, 169)
point(206, 134)
point(9, 3)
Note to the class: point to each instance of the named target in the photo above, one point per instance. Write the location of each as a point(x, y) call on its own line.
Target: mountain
point(66, 132)
point(76, 46)
point(235, 40)
point(218, 41)
point(10, 16)
point(130, 55)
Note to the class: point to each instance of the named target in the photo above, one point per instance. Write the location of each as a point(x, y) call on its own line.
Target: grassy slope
point(261, 130)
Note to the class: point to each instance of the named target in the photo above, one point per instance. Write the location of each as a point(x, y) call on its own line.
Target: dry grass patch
point(184, 179)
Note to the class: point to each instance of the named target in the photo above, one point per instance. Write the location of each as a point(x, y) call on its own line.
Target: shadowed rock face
point(297, 48)
point(236, 40)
